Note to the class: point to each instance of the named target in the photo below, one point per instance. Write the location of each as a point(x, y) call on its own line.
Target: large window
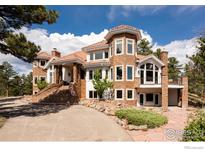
point(119, 73)
point(118, 47)
point(149, 73)
point(129, 72)
point(130, 46)
point(119, 94)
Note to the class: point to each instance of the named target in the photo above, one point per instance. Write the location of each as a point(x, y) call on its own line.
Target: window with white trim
point(106, 55)
point(98, 55)
point(111, 73)
point(119, 73)
point(92, 94)
point(118, 47)
point(90, 75)
point(35, 63)
point(130, 72)
point(42, 63)
point(119, 94)
point(130, 94)
point(130, 46)
point(91, 56)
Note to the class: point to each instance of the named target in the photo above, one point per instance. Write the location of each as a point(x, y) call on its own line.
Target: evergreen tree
point(157, 53)
point(173, 68)
point(144, 47)
point(27, 84)
point(13, 18)
point(195, 69)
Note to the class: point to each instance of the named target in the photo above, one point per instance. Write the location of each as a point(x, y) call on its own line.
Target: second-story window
point(130, 46)
point(118, 47)
point(91, 56)
point(42, 62)
point(130, 72)
point(106, 54)
point(98, 55)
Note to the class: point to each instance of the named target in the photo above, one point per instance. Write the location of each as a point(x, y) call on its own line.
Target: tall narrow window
point(149, 72)
point(119, 73)
point(130, 46)
point(130, 94)
point(106, 74)
point(91, 56)
point(129, 72)
point(118, 47)
point(106, 54)
point(111, 73)
point(90, 75)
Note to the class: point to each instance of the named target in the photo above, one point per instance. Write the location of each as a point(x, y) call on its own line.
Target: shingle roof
point(77, 56)
point(43, 55)
point(96, 46)
point(123, 29)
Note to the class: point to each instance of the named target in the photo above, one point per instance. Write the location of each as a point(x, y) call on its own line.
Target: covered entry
point(174, 97)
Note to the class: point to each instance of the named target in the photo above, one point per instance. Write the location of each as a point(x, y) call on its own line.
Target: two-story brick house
point(137, 80)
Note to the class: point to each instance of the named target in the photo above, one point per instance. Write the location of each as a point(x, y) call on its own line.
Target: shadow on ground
point(52, 104)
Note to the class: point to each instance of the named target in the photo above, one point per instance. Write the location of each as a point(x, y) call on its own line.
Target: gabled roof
point(96, 46)
point(78, 57)
point(123, 29)
point(43, 55)
point(146, 58)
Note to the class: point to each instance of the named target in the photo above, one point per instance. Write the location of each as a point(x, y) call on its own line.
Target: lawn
point(141, 117)
point(2, 121)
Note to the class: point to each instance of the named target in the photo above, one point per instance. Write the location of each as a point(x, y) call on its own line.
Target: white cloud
point(65, 43)
point(180, 48)
point(68, 42)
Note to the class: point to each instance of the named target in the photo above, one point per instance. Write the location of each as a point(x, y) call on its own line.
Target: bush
point(142, 117)
point(41, 84)
point(195, 130)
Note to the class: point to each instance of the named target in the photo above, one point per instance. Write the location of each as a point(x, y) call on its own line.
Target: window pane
point(119, 93)
point(129, 94)
point(95, 94)
point(106, 74)
point(156, 68)
point(111, 74)
point(149, 97)
point(119, 46)
point(43, 63)
point(156, 77)
point(90, 75)
point(129, 73)
point(91, 56)
point(98, 55)
point(90, 94)
point(149, 75)
point(129, 46)
point(142, 66)
point(149, 66)
point(106, 54)
point(119, 73)
point(142, 76)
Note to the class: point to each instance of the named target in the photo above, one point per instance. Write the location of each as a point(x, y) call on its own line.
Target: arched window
point(149, 73)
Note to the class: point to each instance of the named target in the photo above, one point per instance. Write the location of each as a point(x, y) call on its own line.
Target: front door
point(156, 101)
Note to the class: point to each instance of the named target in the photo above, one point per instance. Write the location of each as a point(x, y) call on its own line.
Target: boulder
point(133, 127)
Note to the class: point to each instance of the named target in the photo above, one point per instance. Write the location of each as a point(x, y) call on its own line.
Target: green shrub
point(195, 130)
point(41, 84)
point(141, 117)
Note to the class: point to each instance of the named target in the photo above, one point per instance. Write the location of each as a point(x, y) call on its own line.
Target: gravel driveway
point(76, 123)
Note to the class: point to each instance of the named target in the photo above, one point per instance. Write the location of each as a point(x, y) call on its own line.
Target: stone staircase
point(57, 94)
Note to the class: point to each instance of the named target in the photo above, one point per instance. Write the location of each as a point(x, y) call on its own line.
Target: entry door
point(141, 99)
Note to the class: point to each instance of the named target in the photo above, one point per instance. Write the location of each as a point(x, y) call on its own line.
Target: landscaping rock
point(133, 127)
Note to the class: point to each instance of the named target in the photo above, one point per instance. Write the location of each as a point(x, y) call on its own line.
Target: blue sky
point(163, 23)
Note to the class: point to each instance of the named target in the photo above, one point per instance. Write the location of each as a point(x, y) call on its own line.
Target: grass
point(141, 117)
point(2, 121)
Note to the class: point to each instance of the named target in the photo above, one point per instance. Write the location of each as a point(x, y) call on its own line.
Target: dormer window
point(130, 46)
point(118, 47)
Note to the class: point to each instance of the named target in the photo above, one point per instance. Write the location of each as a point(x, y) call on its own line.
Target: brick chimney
point(164, 59)
point(55, 53)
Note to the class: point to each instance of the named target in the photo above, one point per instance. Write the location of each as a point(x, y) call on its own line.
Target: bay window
point(119, 73)
point(129, 72)
point(130, 46)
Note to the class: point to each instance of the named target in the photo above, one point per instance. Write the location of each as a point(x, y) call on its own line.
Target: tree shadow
point(52, 104)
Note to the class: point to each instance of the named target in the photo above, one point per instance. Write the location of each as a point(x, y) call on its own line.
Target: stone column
point(185, 92)
point(164, 80)
point(75, 73)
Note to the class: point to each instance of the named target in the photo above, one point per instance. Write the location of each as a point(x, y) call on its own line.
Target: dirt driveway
point(76, 123)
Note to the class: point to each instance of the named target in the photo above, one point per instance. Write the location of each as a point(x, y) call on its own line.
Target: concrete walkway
point(76, 123)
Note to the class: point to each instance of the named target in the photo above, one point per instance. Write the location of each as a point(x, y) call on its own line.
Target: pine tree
point(157, 53)
point(173, 68)
point(13, 18)
point(144, 47)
